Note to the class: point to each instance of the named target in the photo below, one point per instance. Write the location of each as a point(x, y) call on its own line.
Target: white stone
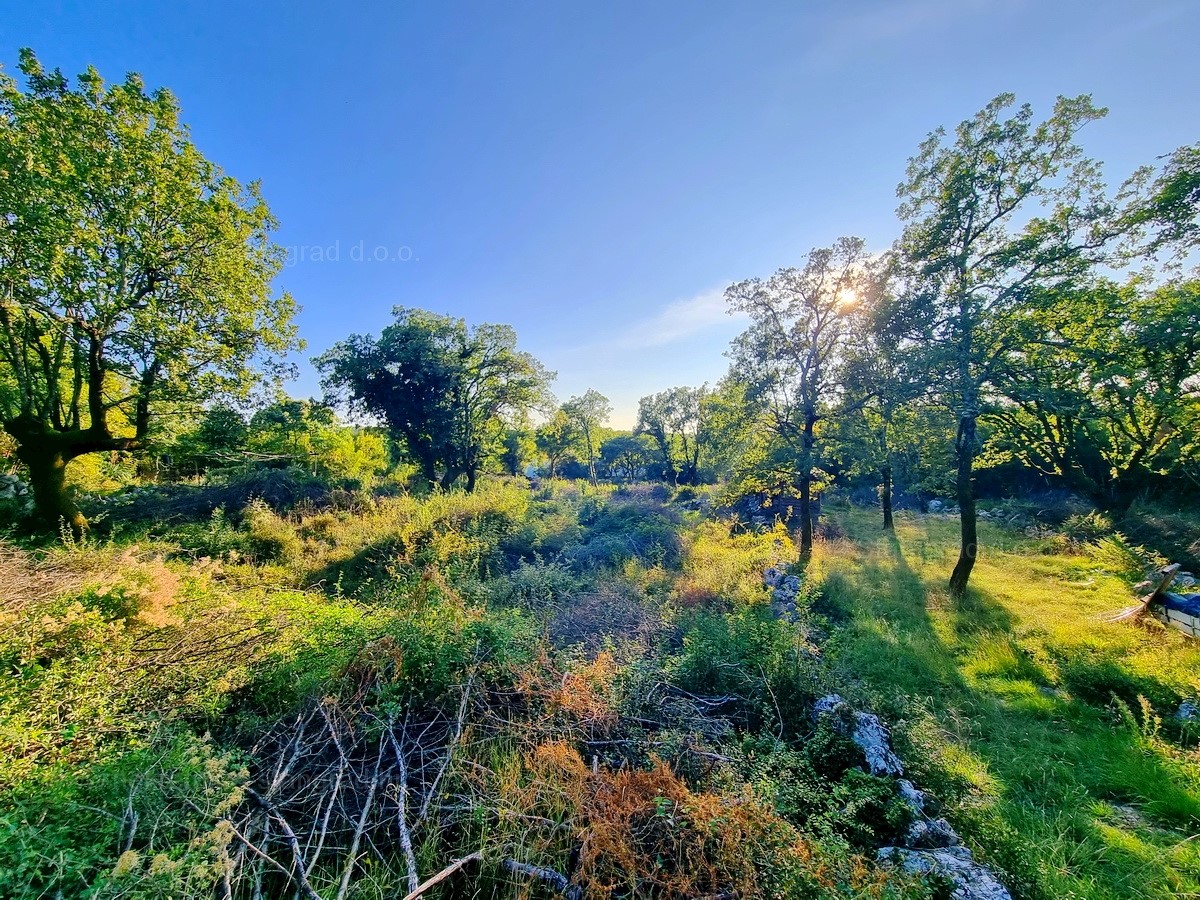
point(969, 880)
point(870, 734)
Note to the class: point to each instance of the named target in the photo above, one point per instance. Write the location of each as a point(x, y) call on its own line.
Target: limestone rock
point(931, 834)
point(969, 879)
point(870, 734)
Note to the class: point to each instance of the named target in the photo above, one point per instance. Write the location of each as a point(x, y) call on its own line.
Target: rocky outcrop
point(14, 490)
point(870, 734)
point(785, 589)
point(930, 845)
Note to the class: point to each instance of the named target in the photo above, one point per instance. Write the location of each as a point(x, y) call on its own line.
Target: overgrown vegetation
point(474, 642)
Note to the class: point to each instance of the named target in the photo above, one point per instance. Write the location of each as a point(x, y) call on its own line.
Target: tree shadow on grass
point(1047, 754)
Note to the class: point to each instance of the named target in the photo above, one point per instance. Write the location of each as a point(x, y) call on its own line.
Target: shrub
point(765, 663)
point(270, 538)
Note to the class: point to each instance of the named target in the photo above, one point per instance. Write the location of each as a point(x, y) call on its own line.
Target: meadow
point(579, 691)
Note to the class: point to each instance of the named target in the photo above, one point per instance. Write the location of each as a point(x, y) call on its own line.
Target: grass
point(1046, 730)
point(637, 716)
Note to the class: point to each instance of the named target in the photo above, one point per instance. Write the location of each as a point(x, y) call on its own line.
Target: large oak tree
point(443, 388)
point(135, 275)
point(1005, 209)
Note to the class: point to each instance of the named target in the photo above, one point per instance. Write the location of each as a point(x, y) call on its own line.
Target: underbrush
point(581, 682)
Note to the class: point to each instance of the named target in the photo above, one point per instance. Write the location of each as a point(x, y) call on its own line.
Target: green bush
point(269, 537)
point(765, 663)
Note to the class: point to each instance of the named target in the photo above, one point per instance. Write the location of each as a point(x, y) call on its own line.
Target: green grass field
point(1047, 731)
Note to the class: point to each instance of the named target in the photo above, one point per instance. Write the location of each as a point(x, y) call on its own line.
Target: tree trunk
point(471, 474)
point(806, 527)
point(53, 507)
point(969, 543)
point(806, 461)
point(885, 497)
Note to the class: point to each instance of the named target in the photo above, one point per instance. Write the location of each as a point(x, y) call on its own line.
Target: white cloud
point(678, 321)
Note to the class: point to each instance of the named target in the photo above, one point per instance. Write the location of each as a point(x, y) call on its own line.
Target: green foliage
point(1099, 387)
point(1005, 209)
point(587, 413)
point(674, 422)
point(556, 438)
point(820, 786)
point(270, 538)
point(443, 389)
point(765, 663)
point(618, 531)
point(624, 457)
point(790, 356)
point(137, 272)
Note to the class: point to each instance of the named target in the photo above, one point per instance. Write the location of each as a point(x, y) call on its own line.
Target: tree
point(134, 274)
point(588, 413)
point(221, 432)
point(673, 420)
point(791, 351)
point(625, 455)
point(1102, 390)
point(732, 431)
point(1008, 208)
point(876, 389)
point(1171, 211)
point(555, 438)
point(517, 447)
point(444, 389)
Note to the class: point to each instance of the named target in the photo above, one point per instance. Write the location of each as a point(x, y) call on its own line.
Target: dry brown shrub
point(26, 579)
point(585, 693)
point(645, 833)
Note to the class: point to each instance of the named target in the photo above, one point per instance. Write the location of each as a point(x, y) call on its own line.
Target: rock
point(870, 734)
point(784, 590)
point(969, 880)
point(914, 798)
point(935, 506)
point(1189, 711)
point(827, 704)
point(931, 833)
point(1128, 816)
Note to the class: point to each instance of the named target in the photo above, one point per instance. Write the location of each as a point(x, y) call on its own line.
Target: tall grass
point(1048, 730)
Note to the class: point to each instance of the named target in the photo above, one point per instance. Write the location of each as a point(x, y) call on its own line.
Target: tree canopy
point(135, 275)
point(443, 388)
point(1007, 208)
point(791, 353)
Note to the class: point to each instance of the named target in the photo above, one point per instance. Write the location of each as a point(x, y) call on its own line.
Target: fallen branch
point(352, 854)
point(1139, 610)
point(444, 874)
point(299, 877)
point(406, 845)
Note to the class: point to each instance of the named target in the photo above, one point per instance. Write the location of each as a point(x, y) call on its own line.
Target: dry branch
point(556, 880)
point(443, 875)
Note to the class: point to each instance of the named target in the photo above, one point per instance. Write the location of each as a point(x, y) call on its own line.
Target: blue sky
point(596, 173)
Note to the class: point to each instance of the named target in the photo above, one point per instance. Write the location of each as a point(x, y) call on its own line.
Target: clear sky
point(596, 173)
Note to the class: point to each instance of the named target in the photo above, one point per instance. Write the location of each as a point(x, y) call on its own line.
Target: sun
point(847, 298)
